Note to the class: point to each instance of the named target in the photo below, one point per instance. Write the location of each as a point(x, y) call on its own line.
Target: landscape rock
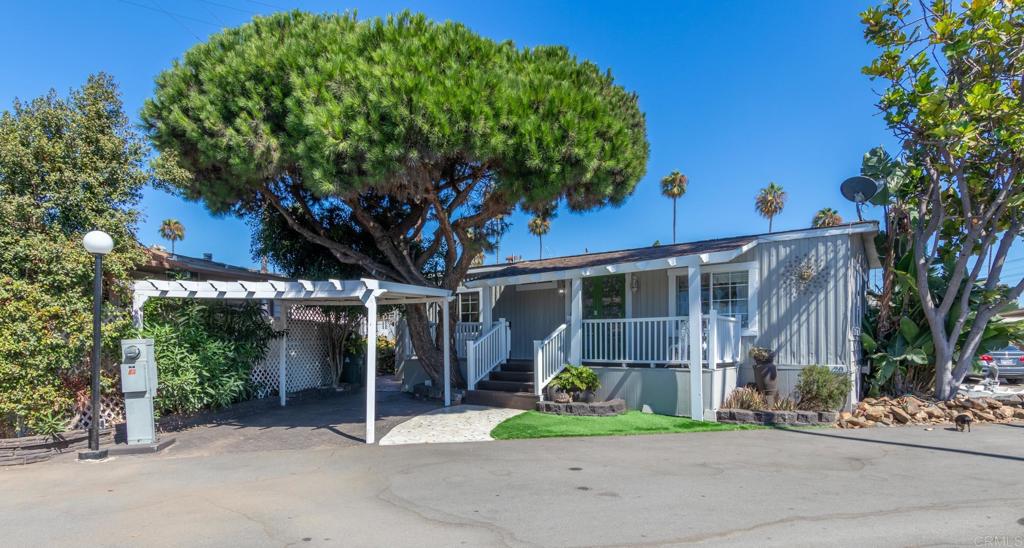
point(910, 410)
point(898, 414)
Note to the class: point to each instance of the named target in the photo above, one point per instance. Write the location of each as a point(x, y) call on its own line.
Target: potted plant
point(765, 372)
point(578, 381)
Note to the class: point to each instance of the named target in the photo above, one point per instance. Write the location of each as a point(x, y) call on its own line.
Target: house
point(628, 314)
point(162, 265)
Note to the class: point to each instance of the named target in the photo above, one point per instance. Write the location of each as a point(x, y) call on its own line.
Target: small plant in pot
point(765, 372)
point(578, 381)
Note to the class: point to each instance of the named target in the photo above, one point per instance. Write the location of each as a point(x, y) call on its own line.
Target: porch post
point(486, 307)
point(282, 360)
point(369, 299)
point(445, 315)
point(695, 328)
point(138, 302)
point(576, 323)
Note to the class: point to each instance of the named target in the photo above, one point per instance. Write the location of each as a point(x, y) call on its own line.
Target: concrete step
point(509, 400)
point(506, 386)
point(515, 376)
point(517, 365)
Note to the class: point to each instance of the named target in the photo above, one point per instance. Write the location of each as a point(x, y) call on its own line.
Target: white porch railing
point(659, 340)
point(636, 340)
point(549, 358)
point(487, 351)
point(464, 332)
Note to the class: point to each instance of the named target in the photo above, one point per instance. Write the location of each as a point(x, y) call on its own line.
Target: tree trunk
point(428, 349)
point(770, 219)
point(945, 389)
point(540, 246)
point(673, 220)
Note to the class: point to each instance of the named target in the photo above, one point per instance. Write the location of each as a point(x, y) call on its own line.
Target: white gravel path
point(456, 424)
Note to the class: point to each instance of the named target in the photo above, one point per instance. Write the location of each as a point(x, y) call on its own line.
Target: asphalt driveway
point(877, 487)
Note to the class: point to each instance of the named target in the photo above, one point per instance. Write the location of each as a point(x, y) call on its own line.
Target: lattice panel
point(308, 366)
point(111, 413)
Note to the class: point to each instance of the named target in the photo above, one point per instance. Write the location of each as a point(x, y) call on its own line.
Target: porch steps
point(509, 386)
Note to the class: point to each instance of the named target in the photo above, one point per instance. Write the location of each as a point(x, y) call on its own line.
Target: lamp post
point(97, 243)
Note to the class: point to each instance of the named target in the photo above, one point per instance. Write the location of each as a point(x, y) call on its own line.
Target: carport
point(285, 294)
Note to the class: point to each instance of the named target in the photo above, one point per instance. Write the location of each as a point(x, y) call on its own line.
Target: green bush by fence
point(205, 352)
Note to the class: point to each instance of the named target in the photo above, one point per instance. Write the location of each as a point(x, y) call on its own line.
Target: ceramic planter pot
point(766, 374)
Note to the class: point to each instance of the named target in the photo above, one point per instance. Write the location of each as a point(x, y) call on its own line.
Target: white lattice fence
point(111, 413)
point(308, 365)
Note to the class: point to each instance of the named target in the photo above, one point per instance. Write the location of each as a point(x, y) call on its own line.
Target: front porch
point(527, 332)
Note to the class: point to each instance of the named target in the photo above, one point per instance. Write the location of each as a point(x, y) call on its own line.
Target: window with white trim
point(728, 293)
point(469, 307)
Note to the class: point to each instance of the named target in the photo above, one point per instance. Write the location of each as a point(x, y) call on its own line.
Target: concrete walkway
point(460, 423)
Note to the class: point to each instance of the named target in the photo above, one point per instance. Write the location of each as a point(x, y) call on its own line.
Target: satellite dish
point(858, 190)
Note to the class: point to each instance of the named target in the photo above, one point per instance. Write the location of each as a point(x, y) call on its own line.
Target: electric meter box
point(139, 382)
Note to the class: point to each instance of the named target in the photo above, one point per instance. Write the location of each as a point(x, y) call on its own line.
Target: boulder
point(1018, 413)
point(875, 412)
point(984, 416)
point(992, 403)
point(1003, 413)
point(912, 406)
point(900, 415)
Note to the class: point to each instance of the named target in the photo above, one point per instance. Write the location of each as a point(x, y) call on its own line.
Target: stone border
point(777, 418)
point(582, 409)
point(30, 449)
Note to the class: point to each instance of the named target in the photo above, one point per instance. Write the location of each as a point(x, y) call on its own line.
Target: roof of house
point(159, 262)
point(590, 260)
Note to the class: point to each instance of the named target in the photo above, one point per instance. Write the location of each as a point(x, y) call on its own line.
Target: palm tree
point(769, 202)
point(539, 226)
point(826, 217)
point(673, 186)
point(172, 230)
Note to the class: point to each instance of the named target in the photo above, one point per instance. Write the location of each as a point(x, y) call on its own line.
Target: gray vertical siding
point(651, 299)
point(806, 324)
point(809, 323)
point(532, 315)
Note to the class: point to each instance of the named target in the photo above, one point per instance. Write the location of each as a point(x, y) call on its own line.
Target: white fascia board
point(859, 228)
point(618, 268)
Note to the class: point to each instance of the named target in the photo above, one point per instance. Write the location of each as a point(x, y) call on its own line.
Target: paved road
point(876, 487)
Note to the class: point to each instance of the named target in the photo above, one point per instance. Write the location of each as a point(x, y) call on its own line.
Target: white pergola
point(363, 292)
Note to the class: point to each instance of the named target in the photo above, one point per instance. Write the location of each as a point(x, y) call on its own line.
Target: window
point(726, 292)
point(469, 307)
point(604, 297)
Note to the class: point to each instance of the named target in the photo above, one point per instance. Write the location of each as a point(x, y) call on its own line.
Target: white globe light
point(98, 242)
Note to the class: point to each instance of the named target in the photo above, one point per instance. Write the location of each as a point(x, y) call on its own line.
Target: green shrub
point(821, 389)
point(205, 352)
point(577, 378)
point(385, 356)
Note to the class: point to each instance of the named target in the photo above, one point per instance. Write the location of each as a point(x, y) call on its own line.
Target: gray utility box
point(138, 382)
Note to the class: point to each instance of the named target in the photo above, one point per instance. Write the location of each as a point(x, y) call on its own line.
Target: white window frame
point(753, 285)
point(480, 304)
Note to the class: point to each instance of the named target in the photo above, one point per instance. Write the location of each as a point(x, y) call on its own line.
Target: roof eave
point(679, 261)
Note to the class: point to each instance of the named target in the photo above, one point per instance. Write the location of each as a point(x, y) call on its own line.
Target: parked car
point(1009, 361)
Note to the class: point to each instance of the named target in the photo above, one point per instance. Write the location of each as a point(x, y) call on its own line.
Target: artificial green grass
point(533, 424)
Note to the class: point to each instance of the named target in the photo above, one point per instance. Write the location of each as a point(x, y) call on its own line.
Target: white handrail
point(549, 358)
point(487, 351)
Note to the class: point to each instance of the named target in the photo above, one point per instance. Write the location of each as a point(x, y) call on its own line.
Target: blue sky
point(736, 94)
